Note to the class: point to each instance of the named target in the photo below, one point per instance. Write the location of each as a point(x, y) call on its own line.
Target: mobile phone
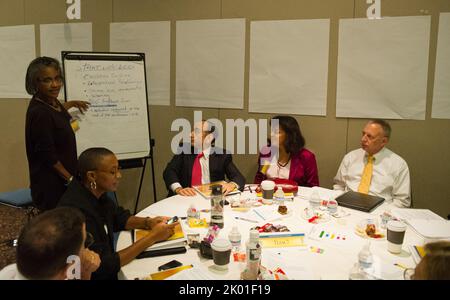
point(173, 220)
point(170, 265)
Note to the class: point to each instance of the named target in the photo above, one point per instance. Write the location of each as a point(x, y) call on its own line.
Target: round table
point(321, 258)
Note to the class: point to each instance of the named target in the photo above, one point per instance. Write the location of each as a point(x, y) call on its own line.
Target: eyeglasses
point(408, 274)
point(89, 240)
point(49, 81)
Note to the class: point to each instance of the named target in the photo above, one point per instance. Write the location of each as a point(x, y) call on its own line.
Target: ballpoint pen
point(244, 219)
point(400, 266)
point(250, 189)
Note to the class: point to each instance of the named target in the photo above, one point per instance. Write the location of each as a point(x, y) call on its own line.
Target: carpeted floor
point(11, 222)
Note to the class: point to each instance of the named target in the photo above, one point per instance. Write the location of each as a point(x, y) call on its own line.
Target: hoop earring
point(93, 185)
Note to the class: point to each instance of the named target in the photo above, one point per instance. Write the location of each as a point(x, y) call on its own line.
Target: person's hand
point(81, 105)
point(163, 231)
point(153, 221)
point(228, 187)
point(90, 261)
point(186, 191)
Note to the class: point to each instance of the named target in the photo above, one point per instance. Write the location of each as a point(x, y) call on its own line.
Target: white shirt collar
point(207, 152)
point(378, 155)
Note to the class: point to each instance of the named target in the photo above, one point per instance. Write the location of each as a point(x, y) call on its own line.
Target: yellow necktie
point(366, 176)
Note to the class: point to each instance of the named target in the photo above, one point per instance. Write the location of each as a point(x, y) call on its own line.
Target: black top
point(103, 218)
point(49, 138)
point(179, 169)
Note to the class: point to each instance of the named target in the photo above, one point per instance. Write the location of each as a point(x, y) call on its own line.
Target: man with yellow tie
point(374, 169)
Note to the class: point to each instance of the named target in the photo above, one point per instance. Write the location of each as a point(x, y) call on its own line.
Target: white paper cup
point(395, 236)
point(267, 187)
point(221, 251)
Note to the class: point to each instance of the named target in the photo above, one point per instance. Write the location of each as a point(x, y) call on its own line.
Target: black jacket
point(99, 213)
point(179, 169)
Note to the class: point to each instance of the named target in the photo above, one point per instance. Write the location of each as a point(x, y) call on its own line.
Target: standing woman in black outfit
point(50, 139)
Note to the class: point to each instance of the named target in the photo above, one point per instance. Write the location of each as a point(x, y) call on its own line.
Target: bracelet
point(147, 223)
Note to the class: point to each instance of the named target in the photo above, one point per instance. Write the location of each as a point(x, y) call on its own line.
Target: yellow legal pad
point(282, 240)
point(178, 233)
point(167, 273)
point(287, 195)
point(420, 251)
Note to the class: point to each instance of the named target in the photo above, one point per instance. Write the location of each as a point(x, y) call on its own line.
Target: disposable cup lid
point(268, 184)
point(221, 245)
point(396, 226)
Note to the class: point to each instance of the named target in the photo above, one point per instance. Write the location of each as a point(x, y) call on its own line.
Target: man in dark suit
point(201, 163)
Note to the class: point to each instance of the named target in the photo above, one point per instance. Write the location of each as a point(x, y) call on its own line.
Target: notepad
point(178, 239)
point(425, 222)
point(417, 252)
point(206, 192)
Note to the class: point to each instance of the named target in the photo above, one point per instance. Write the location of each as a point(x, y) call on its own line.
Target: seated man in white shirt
point(373, 169)
point(52, 246)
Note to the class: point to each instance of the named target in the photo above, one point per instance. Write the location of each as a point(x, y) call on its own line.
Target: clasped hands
point(189, 191)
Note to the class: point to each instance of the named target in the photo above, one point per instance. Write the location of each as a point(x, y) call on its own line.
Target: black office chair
point(20, 199)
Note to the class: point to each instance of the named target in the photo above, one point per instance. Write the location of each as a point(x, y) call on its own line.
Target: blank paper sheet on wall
point(210, 63)
point(153, 39)
point(17, 50)
point(289, 66)
point(382, 67)
point(65, 37)
point(441, 91)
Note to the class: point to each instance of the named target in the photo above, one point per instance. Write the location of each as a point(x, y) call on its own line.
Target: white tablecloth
point(335, 261)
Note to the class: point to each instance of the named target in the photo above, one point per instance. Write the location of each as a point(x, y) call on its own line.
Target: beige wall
point(424, 144)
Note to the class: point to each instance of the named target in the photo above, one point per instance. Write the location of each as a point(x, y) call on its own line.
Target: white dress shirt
point(390, 177)
point(204, 163)
point(11, 272)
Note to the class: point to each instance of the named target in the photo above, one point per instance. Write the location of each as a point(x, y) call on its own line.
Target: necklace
point(285, 164)
point(42, 101)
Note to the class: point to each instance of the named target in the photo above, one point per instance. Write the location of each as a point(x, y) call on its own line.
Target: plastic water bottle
point(217, 206)
point(279, 194)
point(235, 238)
point(314, 200)
point(363, 268)
point(253, 256)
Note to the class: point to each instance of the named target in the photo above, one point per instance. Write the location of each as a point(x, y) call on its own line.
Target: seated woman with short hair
point(99, 173)
point(287, 158)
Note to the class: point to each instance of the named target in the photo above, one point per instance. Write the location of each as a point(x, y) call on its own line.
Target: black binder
point(359, 201)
